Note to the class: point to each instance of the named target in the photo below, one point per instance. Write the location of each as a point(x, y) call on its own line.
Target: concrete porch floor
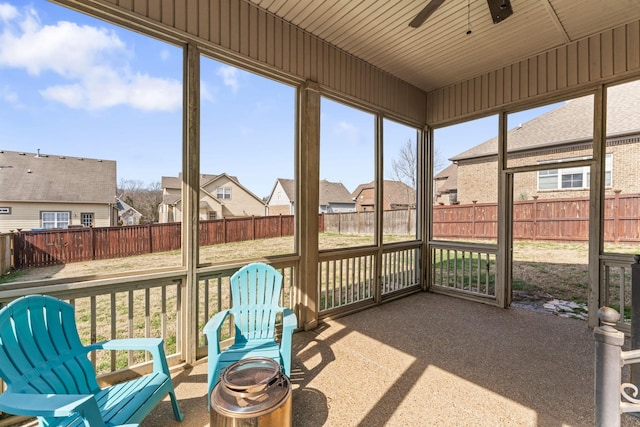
point(430, 360)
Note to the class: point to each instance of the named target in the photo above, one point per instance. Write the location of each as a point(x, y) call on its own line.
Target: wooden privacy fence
point(546, 219)
point(400, 221)
point(50, 247)
point(6, 243)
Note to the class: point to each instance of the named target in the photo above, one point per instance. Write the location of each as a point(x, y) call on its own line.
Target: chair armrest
point(148, 344)
point(212, 328)
point(289, 320)
point(52, 405)
point(211, 331)
point(289, 324)
point(155, 346)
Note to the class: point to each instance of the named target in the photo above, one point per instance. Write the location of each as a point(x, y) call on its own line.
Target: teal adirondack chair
point(255, 290)
point(48, 374)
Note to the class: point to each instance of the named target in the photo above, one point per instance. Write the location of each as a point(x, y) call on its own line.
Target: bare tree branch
point(143, 199)
point(405, 166)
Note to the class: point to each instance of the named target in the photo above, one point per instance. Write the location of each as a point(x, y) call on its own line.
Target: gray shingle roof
point(571, 122)
point(330, 192)
point(398, 193)
point(289, 187)
point(333, 192)
point(55, 178)
point(176, 182)
point(450, 177)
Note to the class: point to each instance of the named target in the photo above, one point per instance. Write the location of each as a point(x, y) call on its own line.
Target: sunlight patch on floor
point(438, 397)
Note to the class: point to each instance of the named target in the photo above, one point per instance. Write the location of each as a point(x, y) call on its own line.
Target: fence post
point(616, 216)
point(93, 243)
point(150, 228)
point(535, 218)
point(608, 376)
point(17, 250)
point(473, 219)
point(635, 316)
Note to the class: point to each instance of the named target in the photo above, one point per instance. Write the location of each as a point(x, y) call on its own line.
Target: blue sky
point(76, 86)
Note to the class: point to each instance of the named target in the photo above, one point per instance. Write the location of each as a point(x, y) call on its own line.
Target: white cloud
point(9, 96)
point(229, 77)
point(348, 130)
point(140, 91)
point(70, 95)
point(7, 12)
point(93, 60)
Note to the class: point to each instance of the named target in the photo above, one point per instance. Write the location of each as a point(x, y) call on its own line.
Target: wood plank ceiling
point(440, 52)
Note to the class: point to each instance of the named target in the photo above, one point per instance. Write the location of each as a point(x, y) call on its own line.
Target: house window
point(223, 192)
point(571, 178)
point(55, 219)
point(212, 215)
point(87, 219)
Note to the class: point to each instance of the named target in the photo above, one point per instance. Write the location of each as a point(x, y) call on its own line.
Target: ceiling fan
point(500, 10)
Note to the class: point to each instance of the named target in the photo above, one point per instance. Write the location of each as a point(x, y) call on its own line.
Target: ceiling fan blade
point(500, 10)
point(425, 13)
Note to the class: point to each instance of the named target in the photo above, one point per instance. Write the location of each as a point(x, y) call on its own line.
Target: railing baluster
point(621, 284)
point(130, 306)
point(93, 327)
point(487, 272)
point(340, 281)
point(113, 304)
point(163, 295)
point(147, 317)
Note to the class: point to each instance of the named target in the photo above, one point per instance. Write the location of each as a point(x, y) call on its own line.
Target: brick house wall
point(478, 179)
point(279, 210)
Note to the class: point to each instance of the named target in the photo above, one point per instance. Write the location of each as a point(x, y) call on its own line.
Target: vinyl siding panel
point(25, 215)
point(602, 58)
point(241, 202)
point(235, 27)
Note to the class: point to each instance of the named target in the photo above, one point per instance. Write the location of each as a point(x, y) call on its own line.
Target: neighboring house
point(396, 195)
point(221, 196)
point(281, 201)
point(562, 134)
point(445, 191)
point(334, 198)
point(127, 214)
point(44, 191)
